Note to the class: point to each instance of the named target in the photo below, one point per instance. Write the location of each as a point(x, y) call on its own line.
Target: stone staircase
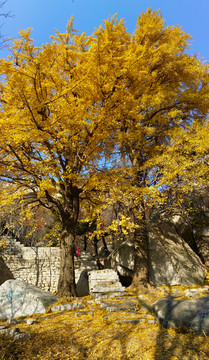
point(105, 283)
point(85, 262)
point(13, 247)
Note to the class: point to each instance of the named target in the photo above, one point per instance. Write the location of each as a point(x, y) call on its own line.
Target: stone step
point(108, 289)
point(104, 283)
point(127, 306)
point(87, 258)
point(89, 264)
point(106, 274)
point(106, 295)
point(14, 248)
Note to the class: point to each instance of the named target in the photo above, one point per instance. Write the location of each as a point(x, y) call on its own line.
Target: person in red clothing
point(77, 251)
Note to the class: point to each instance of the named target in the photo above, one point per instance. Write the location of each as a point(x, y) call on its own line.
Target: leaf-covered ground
point(92, 333)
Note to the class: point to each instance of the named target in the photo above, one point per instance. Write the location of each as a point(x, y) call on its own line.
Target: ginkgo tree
point(151, 90)
point(51, 136)
point(83, 116)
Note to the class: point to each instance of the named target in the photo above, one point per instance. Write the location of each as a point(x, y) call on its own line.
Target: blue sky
point(44, 16)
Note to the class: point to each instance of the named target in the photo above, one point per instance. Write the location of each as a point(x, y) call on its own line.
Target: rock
point(82, 286)
point(191, 313)
point(31, 321)
point(105, 251)
point(202, 242)
point(122, 259)
point(10, 332)
point(145, 305)
point(5, 273)
point(13, 331)
point(192, 293)
point(20, 336)
point(18, 298)
point(182, 226)
point(171, 259)
point(12, 321)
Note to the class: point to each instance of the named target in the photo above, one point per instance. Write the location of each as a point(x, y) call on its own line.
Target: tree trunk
point(66, 284)
point(104, 243)
point(95, 240)
point(85, 243)
point(140, 239)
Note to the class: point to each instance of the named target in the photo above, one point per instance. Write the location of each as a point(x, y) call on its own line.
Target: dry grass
point(99, 334)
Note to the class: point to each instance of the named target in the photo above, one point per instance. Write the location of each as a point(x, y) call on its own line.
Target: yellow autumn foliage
point(86, 116)
point(96, 334)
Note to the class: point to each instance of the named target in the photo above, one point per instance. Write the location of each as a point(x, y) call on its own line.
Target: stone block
point(69, 306)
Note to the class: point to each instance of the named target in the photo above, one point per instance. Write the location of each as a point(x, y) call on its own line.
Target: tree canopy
point(84, 116)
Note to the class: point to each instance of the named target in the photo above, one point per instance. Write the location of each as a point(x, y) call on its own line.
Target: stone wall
point(40, 265)
point(36, 265)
